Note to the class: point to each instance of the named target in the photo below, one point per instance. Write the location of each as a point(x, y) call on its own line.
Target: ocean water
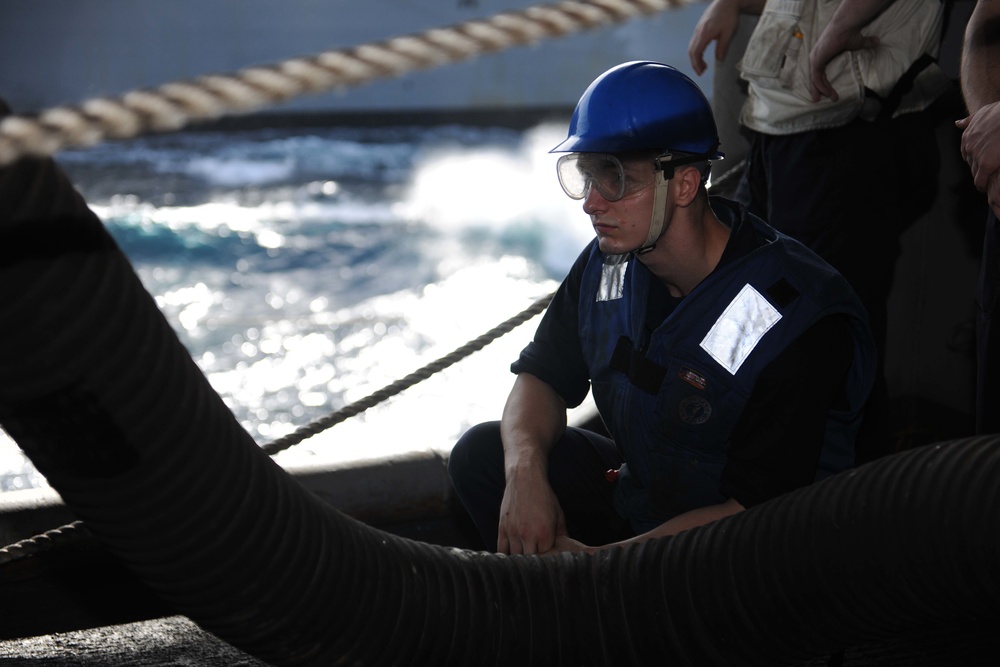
point(306, 268)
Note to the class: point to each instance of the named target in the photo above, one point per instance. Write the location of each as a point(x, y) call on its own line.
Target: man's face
point(617, 193)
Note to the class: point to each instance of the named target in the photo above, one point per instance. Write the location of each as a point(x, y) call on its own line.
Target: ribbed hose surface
point(102, 396)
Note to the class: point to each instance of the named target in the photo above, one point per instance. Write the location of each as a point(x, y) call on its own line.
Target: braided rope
point(174, 105)
point(77, 530)
point(43, 542)
point(406, 382)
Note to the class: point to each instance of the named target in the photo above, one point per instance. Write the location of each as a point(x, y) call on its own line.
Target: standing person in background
point(729, 93)
point(981, 149)
point(842, 163)
point(729, 363)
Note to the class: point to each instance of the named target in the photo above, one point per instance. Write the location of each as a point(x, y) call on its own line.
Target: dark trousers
point(988, 334)
point(577, 467)
point(848, 193)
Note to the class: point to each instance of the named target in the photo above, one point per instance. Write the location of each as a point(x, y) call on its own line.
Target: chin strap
point(656, 222)
point(665, 165)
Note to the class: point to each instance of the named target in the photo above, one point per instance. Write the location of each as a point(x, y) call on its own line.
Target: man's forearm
point(688, 520)
point(853, 15)
point(693, 519)
point(981, 56)
point(534, 417)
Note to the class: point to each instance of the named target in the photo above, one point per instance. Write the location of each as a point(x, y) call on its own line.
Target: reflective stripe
point(612, 277)
point(740, 327)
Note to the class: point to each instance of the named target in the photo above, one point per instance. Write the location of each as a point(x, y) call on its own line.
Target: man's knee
point(474, 452)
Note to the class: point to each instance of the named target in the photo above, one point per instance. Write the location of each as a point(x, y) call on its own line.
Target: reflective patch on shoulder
point(740, 327)
point(612, 277)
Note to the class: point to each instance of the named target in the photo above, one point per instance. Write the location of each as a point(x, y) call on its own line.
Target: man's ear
point(686, 181)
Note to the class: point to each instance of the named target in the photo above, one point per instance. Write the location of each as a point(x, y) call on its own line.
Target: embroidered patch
point(740, 327)
point(694, 410)
point(693, 378)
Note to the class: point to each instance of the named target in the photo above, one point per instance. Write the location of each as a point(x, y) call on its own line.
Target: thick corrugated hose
point(99, 392)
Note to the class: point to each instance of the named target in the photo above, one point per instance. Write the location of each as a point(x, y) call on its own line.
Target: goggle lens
point(578, 172)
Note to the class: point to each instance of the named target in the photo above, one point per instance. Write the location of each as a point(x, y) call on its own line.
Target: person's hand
point(981, 147)
point(530, 517)
point(565, 543)
point(831, 43)
point(718, 24)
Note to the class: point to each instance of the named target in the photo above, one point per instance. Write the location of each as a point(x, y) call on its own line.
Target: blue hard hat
point(642, 105)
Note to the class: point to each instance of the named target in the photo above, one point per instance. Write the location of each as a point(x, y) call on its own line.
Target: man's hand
point(831, 43)
point(718, 24)
point(981, 147)
point(564, 543)
point(842, 33)
point(531, 519)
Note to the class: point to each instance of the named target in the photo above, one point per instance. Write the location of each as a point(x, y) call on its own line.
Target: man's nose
point(594, 201)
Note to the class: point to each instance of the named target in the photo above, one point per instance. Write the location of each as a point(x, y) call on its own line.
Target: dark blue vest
point(671, 398)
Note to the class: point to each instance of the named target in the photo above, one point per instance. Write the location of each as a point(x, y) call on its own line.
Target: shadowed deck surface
point(175, 640)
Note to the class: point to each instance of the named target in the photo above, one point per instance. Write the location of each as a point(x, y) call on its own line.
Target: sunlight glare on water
point(503, 190)
point(305, 271)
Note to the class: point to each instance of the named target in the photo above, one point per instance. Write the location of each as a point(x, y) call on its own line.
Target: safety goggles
point(613, 179)
point(579, 172)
